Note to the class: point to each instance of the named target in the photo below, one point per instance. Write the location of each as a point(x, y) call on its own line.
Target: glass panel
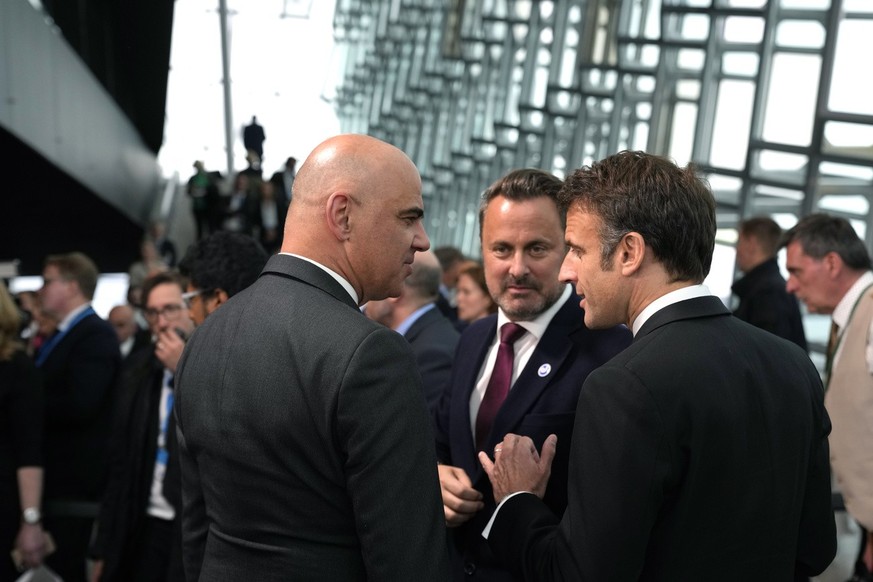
point(790, 103)
point(848, 139)
point(740, 63)
point(745, 29)
point(806, 4)
point(733, 118)
point(800, 33)
point(684, 122)
point(852, 91)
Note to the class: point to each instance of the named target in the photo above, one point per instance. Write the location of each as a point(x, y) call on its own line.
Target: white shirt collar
point(843, 310)
point(537, 326)
point(690, 292)
point(339, 278)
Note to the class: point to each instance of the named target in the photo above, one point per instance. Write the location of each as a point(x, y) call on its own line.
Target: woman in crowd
point(471, 293)
point(21, 426)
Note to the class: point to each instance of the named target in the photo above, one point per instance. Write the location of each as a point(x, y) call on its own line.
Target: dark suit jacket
point(80, 376)
point(433, 339)
point(537, 405)
point(132, 464)
point(700, 453)
point(305, 445)
point(765, 303)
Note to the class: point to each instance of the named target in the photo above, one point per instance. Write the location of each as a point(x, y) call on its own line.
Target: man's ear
point(337, 214)
point(218, 297)
point(630, 253)
point(833, 263)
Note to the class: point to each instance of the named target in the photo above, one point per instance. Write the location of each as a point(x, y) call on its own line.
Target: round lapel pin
point(544, 370)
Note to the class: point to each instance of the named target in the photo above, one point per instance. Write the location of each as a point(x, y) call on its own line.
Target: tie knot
point(511, 332)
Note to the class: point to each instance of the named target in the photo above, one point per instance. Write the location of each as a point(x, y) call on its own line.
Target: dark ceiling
point(126, 44)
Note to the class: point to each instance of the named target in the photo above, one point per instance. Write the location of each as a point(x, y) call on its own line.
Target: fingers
point(550, 447)
point(486, 464)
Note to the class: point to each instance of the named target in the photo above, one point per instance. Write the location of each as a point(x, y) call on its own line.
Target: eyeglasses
point(187, 297)
point(170, 312)
point(46, 281)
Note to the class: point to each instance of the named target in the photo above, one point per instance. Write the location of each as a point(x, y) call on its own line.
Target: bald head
point(122, 319)
point(357, 208)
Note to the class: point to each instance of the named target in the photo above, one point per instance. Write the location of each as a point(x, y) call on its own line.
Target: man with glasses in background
point(139, 533)
point(79, 365)
point(218, 267)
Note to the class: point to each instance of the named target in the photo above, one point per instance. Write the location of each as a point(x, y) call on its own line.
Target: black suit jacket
point(433, 339)
point(131, 470)
point(80, 376)
point(765, 303)
point(699, 453)
point(305, 445)
point(538, 404)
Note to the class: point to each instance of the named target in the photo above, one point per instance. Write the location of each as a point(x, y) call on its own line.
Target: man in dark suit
point(521, 231)
point(139, 534)
point(415, 316)
point(700, 452)
point(79, 366)
point(305, 445)
point(764, 302)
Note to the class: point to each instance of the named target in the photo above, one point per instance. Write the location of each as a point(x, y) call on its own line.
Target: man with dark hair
point(218, 267)
point(451, 260)
point(80, 366)
point(698, 453)
point(764, 302)
point(305, 445)
point(829, 270)
point(414, 315)
point(139, 532)
point(525, 380)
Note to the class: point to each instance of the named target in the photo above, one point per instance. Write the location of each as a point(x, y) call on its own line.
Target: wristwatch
point(31, 515)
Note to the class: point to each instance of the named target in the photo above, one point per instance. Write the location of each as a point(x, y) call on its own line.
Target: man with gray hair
point(415, 316)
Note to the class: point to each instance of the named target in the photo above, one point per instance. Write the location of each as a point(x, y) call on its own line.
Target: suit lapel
point(305, 272)
point(421, 323)
point(688, 309)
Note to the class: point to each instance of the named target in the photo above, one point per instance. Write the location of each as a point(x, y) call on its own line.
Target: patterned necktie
point(498, 385)
point(833, 340)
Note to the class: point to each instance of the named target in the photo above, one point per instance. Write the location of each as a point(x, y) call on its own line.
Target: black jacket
point(765, 303)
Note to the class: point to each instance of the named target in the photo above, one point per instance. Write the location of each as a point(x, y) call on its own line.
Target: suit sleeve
point(618, 501)
point(390, 464)
point(195, 525)
point(817, 538)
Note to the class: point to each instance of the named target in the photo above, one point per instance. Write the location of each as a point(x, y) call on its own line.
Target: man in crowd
point(139, 534)
point(764, 302)
point(700, 452)
point(130, 337)
point(522, 237)
point(451, 260)
point(79, 365)
point(829, 270)
point(218, 267)
point(414, 315)
point(305, 443)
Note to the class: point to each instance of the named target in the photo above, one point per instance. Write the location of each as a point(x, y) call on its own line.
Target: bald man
point(306, 449)
point(415, 315)
point(130, 337)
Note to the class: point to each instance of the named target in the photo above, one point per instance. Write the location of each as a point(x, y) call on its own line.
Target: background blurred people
point(79, 366)
point(203, 188)
point(829, 270)
point(764, 302)
point(139, 529)
point(451, 259)
point(701, 451)
point(305, 444)
point(165, 247)
point(21, 435)
point(283, 181)
point(149, 263)
point(268, 218)
point(217, 268)
point(471, 294)
point(519, 370)
point(253, 138)
point(414, 315)
point(131, 337)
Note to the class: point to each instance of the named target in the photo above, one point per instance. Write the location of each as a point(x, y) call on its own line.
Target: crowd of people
point(336, 401)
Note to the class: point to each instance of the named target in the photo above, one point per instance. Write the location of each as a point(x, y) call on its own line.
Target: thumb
point(487, 464)
point(550, 446)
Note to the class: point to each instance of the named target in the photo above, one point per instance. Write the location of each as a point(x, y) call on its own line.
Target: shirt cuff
point(487, 531)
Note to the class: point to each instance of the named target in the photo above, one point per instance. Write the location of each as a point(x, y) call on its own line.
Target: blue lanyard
point(163, 454)
point(55, 339)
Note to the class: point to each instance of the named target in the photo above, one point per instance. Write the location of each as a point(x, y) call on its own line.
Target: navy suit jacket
point(433, 340)
point(541, 402)
point(700, 453)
